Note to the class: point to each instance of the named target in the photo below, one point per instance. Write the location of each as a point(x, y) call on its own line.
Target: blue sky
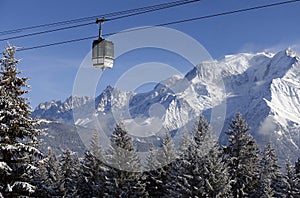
point(52, 70)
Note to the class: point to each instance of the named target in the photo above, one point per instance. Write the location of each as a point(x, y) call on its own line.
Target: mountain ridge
point(264, 87)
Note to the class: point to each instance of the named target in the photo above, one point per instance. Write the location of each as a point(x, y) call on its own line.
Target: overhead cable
point(166, 24)
point(120, 14)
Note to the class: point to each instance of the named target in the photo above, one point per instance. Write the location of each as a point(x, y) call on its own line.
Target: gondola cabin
point(103, 54)
point(102, 50)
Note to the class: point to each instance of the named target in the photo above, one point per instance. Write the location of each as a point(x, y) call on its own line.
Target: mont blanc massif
point(263, 87)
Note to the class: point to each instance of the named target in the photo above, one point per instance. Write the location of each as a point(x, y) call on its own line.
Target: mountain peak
point(109, 88)
point(262, 86)
point(290, 52)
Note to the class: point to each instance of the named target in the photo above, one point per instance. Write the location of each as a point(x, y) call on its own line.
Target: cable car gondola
point(102, 50)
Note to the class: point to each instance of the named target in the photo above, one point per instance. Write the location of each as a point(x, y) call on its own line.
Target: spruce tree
point(215, 174)
point(166, 157)
point(48, 176)
point(242, 157)
point(297, 168)
point(152, 175)
point(271, 179)
point(200, 171)
point(167, 152)
point(92, 172)
point(18, 131)
point(292, 189)
point(125, 172)
point(95, 147)
point(201, 131)
point(185, 179)
point(297, 177)
point(69, 168)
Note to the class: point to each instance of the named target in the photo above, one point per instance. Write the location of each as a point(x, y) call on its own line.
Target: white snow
point(4, 167)
point(264, 87)
point(44, 121)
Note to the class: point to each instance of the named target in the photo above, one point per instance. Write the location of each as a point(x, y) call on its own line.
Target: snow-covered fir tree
point(18, 131)
point(166, 155)
point(213, 170)
point(125, 172)
point(167, 152)
point(152, 161)
point(297, 177)
point(202, 131)
point(185, 176)
point(92, 178)
point(270, 177)
point(69, 167)
point(215, 174)
point(297, 168)
point(200, 171)
point(48, 176)
point(95, 147)
point(152, 175)
point(242, 157)
point(292, 189)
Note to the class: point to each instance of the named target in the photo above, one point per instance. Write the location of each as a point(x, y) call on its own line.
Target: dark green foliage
point(215, 174)
point(69, 167)
point(159, 166)
point(92, 172)
point(152, 175)
point(166, 157)
point(48, 176)
point(200, 171)
point(297, 168)
point(18, 132)
point(167, 152)
point(92, 177)
point(242, 157)
point(202, 131)
point(125, 172)
point(271, 180)
point(292, 189)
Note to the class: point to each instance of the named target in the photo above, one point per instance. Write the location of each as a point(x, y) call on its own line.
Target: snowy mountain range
point(264, 87)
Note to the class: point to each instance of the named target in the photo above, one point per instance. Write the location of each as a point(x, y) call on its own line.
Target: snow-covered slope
point(264, 87)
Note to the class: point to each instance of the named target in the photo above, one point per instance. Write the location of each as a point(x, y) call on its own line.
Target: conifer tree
point(152, 175)
point(292, 189)
point(270, 174)
point(215, 174)
point(125, 172)
point(69, 167)
point(271, 179)
point(242, 157)
point(92, 173)
point(95, 147)
point(202, 131)
point(297, 178)
point(297, 174)
point(166, 157)
point(297, 168)
point(18, 131)
point(185, 171)
point(167, 152)
point(48, 176)
point(200, 171)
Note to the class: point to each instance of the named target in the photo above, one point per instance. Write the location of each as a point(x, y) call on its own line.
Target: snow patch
point(44, 121)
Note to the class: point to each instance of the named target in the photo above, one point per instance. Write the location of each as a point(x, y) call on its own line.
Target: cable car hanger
point(102, 50)
point(101, 21)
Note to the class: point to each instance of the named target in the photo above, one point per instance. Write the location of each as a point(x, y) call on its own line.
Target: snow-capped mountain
point(264, 87)
point(57, 110)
